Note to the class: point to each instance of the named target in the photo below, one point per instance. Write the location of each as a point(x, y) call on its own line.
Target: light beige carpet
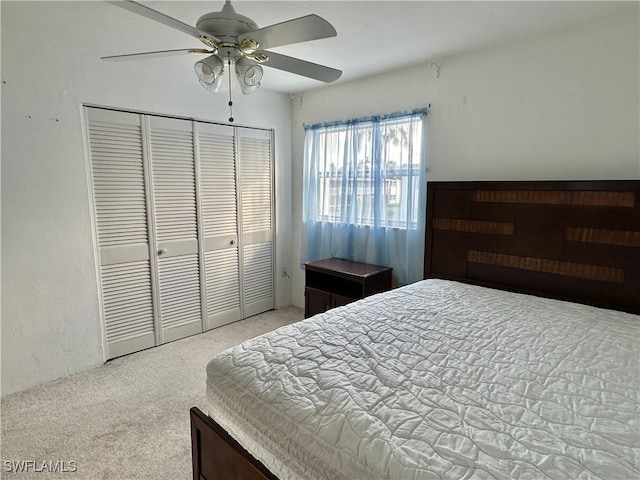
point(128, 419)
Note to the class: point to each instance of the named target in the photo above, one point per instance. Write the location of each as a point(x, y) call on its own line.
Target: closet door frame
point(93, 218)
point(150, 216)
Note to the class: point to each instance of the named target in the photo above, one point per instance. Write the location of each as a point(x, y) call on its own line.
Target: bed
point(516, 357)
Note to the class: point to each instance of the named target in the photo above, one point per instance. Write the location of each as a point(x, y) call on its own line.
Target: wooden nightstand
point(333, 282)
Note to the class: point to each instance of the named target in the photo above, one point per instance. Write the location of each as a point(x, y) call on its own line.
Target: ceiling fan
point(230, 37)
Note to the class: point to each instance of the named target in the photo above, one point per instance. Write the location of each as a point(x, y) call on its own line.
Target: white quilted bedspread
point(439, 380)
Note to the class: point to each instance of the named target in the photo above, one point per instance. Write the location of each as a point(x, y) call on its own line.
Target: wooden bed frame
point(572, 240)
point(576, 241)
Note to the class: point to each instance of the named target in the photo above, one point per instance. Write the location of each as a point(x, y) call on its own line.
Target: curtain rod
point(369, 119)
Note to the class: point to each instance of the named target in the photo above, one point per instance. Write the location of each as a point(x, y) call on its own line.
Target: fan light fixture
point(211, 69)
point(248, 75)
point(209, 72)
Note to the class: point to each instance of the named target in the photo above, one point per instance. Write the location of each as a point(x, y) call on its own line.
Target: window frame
point(376, 174)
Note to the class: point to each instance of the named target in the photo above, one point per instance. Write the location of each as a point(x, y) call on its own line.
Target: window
point(362, 177)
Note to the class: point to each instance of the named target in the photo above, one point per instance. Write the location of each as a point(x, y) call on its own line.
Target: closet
point(184, 223)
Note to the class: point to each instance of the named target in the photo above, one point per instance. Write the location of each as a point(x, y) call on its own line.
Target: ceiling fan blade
point(301, 67)
point(303, 29)
point(160, 53)
point(165, 19)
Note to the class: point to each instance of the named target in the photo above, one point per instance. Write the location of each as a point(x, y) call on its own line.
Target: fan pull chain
point(230, 102)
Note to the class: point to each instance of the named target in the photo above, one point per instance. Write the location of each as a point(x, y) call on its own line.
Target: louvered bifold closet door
point(176, 227)
point(215, 146)
point(117, 168)
point(256, 207)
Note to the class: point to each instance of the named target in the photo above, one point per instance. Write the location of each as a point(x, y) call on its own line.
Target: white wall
point(50, 311)
point(559, 106)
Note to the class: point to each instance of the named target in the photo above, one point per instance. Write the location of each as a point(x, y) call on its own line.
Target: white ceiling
point(373, 36)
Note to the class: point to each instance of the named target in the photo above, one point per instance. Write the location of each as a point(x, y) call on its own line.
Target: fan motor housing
point(226, 24)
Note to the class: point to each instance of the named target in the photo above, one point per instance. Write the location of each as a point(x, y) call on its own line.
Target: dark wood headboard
point(572, 240)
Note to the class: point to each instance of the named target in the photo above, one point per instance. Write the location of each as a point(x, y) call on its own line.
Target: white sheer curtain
point(364, 192)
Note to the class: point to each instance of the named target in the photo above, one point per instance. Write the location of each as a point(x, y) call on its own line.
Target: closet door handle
point(162, 251)
point(232, 242)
